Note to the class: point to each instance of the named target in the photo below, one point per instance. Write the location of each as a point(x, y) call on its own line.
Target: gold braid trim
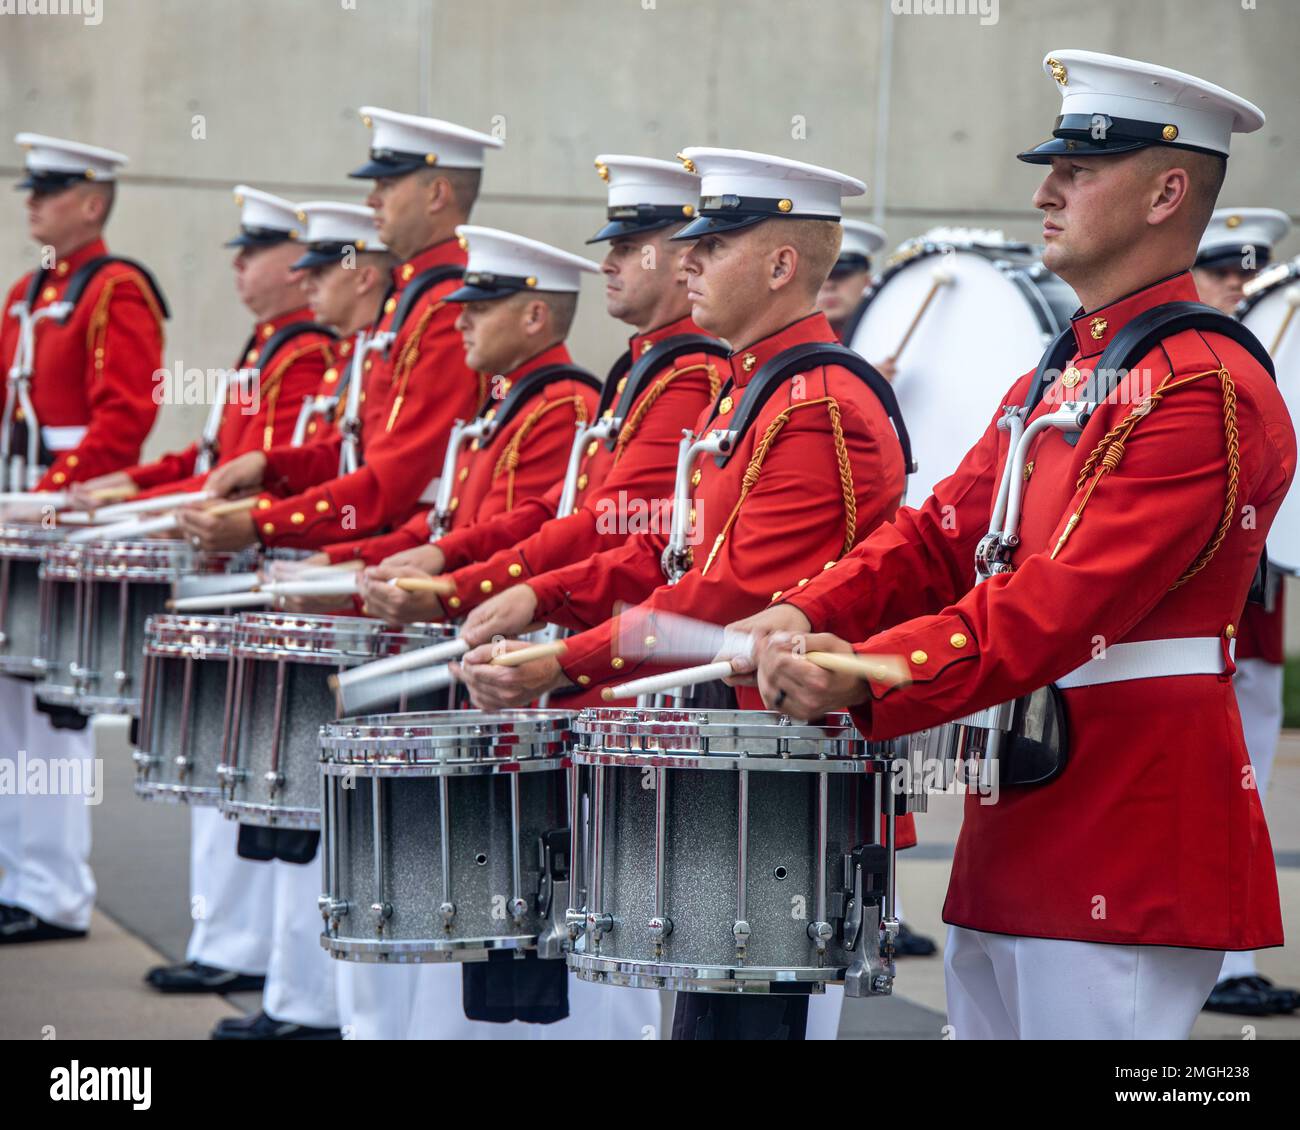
point(97, 329)
point(508, 460)
point(656, 390)
point(406, 359)
point(1109, 451)
point(756, 466)
point(270, 388)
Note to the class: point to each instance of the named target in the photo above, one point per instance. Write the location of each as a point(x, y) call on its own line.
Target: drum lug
point(870, 974)
point(553, 941)
point(518, 908)
point(821, 933)
point(660, 928)
point(599, 925)
point(447, 911)
point(740, 931)
point(121, 678)
point(274, 781)
point(575, 922)
point(382, 911)
point(182, 765)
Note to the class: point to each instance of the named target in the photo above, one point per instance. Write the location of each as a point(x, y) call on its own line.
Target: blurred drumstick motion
point(142, 527)
point(357, 698)
point(249, 582)
point(887, 669)
point(55, 498)
point(528, 654)
point(668, 636)
point(344, 584)
point(407, 660)
point(941, 277)
point(1292, 301)
point(148, 505)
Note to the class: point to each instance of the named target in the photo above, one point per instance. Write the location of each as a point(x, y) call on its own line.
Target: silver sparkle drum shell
point(980, 332)
point(20, 559)
point(1272, 312)
point(281, 665)
point(186, 708)
point(441, 833)
point(714, 847)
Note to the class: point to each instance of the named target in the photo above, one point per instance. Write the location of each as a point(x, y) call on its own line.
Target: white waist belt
point(62, 439)
point(1150, 659)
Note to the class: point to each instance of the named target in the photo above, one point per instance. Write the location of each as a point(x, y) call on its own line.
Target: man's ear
point(1171, 194)
point(439, 196)
point(784, 263)
point(537, 316)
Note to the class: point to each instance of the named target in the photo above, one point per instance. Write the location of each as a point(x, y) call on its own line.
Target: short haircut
point(1207, 171)
point(816, 241)
point(106, 190)
point(382, 261)
point(563, 306)
point(464, 184)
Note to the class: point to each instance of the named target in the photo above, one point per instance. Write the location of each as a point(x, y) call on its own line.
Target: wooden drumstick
point(888, 669)
point(528, 654)
point(114, 494)
point(942, 277)
point(439, 585)
point(232, 507)
point(1292, 301)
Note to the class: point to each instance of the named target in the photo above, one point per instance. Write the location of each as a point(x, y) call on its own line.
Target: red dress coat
point(1153, 833)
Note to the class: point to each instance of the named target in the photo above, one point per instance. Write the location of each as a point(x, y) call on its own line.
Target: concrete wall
point(278, 83)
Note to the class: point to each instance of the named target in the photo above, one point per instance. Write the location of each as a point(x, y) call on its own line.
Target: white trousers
point(232, 900)
point(45, 839)
point(1258, 684)
point(374, 999)
point(1007, 988)
point(299, 974)
point(596, 1012)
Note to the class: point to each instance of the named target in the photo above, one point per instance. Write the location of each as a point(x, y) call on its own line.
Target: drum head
point(1274, 318)
point(982, 330)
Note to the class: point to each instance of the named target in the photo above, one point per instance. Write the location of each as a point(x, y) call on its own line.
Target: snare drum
point(20, 559)
point(729, 851)
point(94, 601)
point(948, 392)
point(281, 664)
point(445, 834)
point(186, 708)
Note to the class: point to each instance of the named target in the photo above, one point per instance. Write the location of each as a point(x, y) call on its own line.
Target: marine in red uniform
point(1098, 904)
point(1237, 244)
point(841, 295)
point(819, 467)
point(275, 371)
point(88, 373)
point(649, 200)
point(427, 175)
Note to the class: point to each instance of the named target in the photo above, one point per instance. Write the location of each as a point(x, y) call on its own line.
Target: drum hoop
point(27, 543)
point(321, 639)
point(172, 634)
point(460, 767)
point(635, 721)
point(731, 762)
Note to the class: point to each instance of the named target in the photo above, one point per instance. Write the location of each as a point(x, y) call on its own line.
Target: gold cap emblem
point(602, 170)
point(1233, 221)
point(1058, 72)
point(687, 163)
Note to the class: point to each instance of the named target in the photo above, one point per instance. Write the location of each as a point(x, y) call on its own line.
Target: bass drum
point(1271, 311)
point(980, 316)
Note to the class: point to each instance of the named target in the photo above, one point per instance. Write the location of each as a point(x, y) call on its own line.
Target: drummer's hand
point(428, 558)
point(792, 685)
point(240, 475)
point(216, 532)
point(391, 604)
point(509, 613)
point(275, 569)
point(887, 368)
point(83, 494)
point(501, 688)
point(778, 618)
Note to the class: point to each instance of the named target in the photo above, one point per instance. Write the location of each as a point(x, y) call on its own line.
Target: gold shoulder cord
point(270, 389)
point(656, 390)
point(97, 330)
point(508, 460)
point(756, 466)
point(1106, 455)
point(406, 362)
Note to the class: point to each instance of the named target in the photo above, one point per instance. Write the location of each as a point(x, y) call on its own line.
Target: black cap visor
point(46, 184)
point(258, 237)
point(390, 163)
point(1233, 255)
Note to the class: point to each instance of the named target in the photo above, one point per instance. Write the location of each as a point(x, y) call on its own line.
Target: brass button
point(267, 331)
point(1169, 133)
point(828, 565)
point(591, 448)
point(725, 406)
point(390, 305)
point(692, 516)
point(462, 474)
point(696, 477)
point(367, 367)
point(474, 445)
point(1029, 469)
point(48, 293)
point(252, 356)
point(605, 415)
point(784, 205)
point(776, 595)
point(268, 528)
point(331, 375)
point(264, 504)
point(748, 361)
point(72, 460)
point(918, 657)
point(62, 268)
point(297, 517)
point(616, 663)
point(803, 581)
point(622, 384)
point(322, 507)
point(646, 346)
point(485, 586)
point(490, 414)
point(516, 570)
point(60, 477)
point(1071, 377)
point(454, 503)
point(454, 602)
point(583, 680)
point(407, 272)
point(958, 639)
point(582, 481)
point(1230, 631)
point(311, 428)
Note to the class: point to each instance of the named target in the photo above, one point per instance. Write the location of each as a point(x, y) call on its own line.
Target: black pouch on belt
point(291, 845)
point(506, 988)
point(1038, 746)
point(63, 717)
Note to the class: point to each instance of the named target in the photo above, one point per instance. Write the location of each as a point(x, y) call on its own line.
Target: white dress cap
point(52, 162)
point(739, 188)
point(330, 228)
point(264, 218)
point(502, 263)
point(1232, 231)
point(402, 143)
point(1115, 105)
point(644, 194)
point(861, 240)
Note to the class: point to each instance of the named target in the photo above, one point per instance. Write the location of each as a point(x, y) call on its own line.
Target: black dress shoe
point(19, 925)
point(194, 977)
point(908, 944)
point(1251, 996)
point(259, 1026)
